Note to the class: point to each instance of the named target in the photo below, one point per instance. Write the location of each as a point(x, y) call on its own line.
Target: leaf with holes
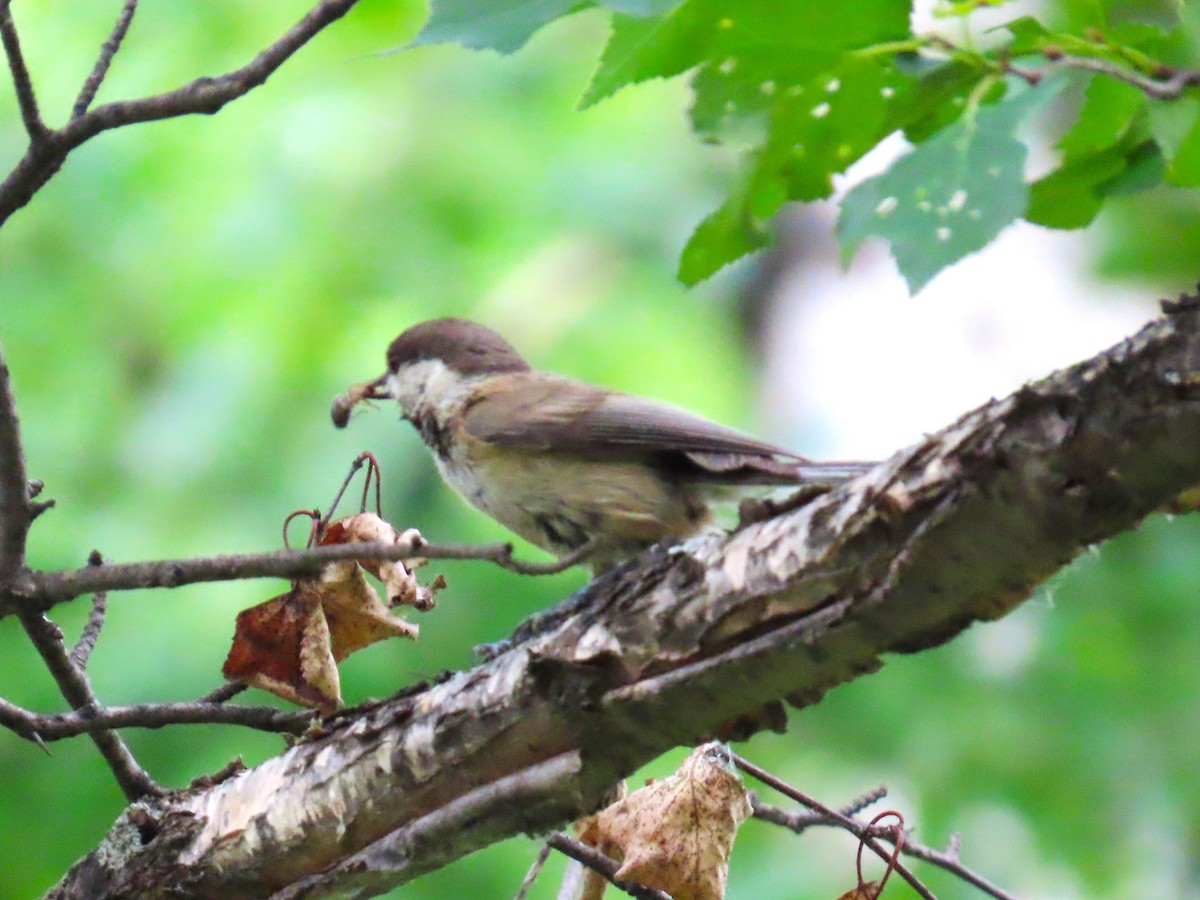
point(951, 195)
point(815, 130)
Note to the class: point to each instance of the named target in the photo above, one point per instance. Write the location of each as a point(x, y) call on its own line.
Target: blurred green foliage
point(180, 303)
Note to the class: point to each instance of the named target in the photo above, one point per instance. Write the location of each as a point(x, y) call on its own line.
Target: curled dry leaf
point(283, 646)
point(868, 890)
point(291, 644)
point(398, 580)
point(676, 834)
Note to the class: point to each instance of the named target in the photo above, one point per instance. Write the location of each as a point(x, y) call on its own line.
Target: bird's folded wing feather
point(546, 412)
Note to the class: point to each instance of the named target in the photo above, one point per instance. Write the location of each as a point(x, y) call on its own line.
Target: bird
point(574, 468)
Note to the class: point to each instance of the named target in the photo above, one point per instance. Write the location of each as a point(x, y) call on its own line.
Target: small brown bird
point(566, 464)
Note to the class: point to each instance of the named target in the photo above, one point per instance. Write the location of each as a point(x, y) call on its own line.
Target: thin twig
point(46, 153)
point(92, 720)
point(1169, 88)
point(82, 651)
point(799, 820)
point(949, 861)
point(225, 692)
point(856, 828)
point(502, 555)
point(534, 871)
point(598, 862)
point(46, 589)
point(22, 81)
point(14, 487)
point(73, 684)
point(107, 51)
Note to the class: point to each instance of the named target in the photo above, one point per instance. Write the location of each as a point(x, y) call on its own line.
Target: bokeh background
point(179, 305)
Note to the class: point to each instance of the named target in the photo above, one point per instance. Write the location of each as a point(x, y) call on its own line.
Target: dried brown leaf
point(283, 646)
point(676, 834)
point(291, 644)
point(400, 584)
point(868, 890)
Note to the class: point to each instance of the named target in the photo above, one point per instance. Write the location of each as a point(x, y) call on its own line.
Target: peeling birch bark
point(660, 651)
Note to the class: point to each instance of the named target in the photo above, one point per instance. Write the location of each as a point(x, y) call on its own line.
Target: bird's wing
point(548, 412)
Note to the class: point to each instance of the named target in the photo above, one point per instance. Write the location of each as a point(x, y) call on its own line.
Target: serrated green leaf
point(728, 234)
point(763, 49)
point(642, 9)
point(1029, 36)
point(1161, 15)
point(1109, 109)
point(815, 130)
point(1184, 168)
point(503, 25)
point(1146, 169)
point(641, 49)
point(935, 99)
point(951, 195)
point(1070, 197)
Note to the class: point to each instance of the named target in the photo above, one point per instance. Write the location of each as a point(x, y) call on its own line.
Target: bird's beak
point(373, 390)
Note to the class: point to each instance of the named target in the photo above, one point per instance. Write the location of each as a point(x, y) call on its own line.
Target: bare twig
point(93, 719)
point(858, 829)
point(82, 651)
point(49, 588)
point(1170, 87)
point(73, 684)
point(107, 51)
point(949, 861)
point(598, 862)
point(225, 692)
point(14, 487)
point(22, 81)
point(798, 821)
point(204, 95)
point(534, 871)
point(502, 555)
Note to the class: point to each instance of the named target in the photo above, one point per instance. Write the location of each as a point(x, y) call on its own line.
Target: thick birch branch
point(661, 651)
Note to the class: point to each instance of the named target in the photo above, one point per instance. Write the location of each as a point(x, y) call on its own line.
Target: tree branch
point(108, 50)
point(1170, 87)
point(43, 590)
point(662, 650)
point(47, 153)
point(599, 862)
point(73, 684)
point(15, 513)
point(22, 81)
point(859, 830)
point(801, 820)
point(89, 720)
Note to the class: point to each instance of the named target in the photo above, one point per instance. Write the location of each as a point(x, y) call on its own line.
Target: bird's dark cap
point(466, 347)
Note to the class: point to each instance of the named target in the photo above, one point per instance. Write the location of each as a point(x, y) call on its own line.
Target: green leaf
point(945, 9)
point(503, 25)
point(936, 98)
point(1071, 196)
point(763, 50)
point(729, 233)
point(951, 195)
point(1109, 109)
point(1184, 168)
point(1146, 169)
point(817, 129)
point(642, 9)
point(640, 49)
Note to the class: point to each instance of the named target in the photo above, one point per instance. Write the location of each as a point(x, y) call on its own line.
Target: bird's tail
point(832, 472)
